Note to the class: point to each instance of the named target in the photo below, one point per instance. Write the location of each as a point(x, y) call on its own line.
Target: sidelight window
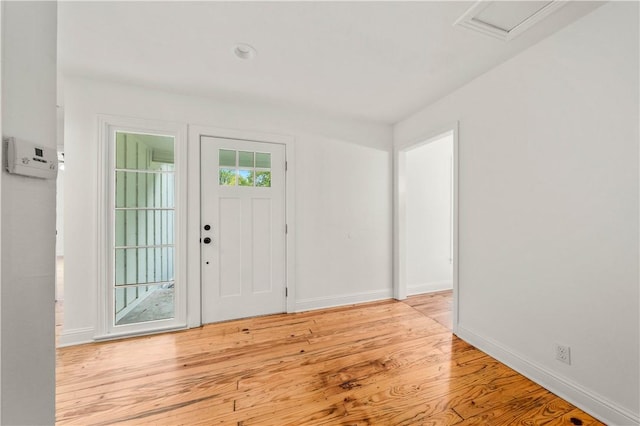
point(144, 228)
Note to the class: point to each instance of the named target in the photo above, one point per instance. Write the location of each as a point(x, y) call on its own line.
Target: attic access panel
point(506, 20)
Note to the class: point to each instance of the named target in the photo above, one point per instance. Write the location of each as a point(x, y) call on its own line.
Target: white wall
point(548, 209)
point(428, 216)
point(60, 213)
point(28, 217)
point(60, 185)
point(1, 174)
point(343, 192)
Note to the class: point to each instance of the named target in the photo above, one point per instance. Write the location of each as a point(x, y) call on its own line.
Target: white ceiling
point(378, 61)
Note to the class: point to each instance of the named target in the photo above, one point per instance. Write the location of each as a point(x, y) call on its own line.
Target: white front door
point(242, 228)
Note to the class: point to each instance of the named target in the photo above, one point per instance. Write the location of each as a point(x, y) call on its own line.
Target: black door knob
point(206, 240)
point(207, 227)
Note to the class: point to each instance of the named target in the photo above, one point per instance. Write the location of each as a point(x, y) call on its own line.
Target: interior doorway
point(426, 216)
point(429, 216)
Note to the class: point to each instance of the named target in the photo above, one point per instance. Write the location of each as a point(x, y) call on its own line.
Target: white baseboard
point(588, 401)
point(347, 299)
point(76, 336)
point(430, 287)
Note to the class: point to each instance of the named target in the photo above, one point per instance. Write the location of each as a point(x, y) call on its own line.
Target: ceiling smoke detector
point(506, 20)
point(244, 51)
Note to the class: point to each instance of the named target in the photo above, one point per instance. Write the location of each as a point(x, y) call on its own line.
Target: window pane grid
point(169, 209)
point(136, 189)
point(144, 221)
point(144, 246)
point(144, 264)
point(244, 168)
point(149, 284)
point(149, 172)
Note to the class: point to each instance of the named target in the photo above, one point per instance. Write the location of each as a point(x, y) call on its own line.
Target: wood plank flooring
point(383, 363)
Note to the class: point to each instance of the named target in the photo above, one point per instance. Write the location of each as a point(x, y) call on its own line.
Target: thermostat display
point(28, 159)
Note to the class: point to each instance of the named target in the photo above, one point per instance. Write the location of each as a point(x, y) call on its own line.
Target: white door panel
point(243, 202)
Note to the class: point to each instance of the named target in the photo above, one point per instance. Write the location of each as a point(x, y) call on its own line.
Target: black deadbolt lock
point(207, 227)
point(206, 240)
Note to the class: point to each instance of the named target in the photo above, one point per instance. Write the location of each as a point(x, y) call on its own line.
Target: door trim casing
point(194, 274)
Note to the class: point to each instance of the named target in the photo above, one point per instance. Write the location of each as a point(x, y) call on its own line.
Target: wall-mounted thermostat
point(28, 159)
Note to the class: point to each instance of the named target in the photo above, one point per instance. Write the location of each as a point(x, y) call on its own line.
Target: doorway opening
point(426, 220)
point(429, 216)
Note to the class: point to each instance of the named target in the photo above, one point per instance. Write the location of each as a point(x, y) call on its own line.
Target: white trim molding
point(77, 336)
point(342, 300)
point(431, 287)
point(585, 399)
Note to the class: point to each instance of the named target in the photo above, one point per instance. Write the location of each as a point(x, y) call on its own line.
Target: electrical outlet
point(563, 353)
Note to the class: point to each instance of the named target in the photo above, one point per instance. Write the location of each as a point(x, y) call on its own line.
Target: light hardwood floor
point(383, 363)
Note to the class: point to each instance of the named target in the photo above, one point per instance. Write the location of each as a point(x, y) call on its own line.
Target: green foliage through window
point(228, 177)
point(244, 168)
point(263, 178)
